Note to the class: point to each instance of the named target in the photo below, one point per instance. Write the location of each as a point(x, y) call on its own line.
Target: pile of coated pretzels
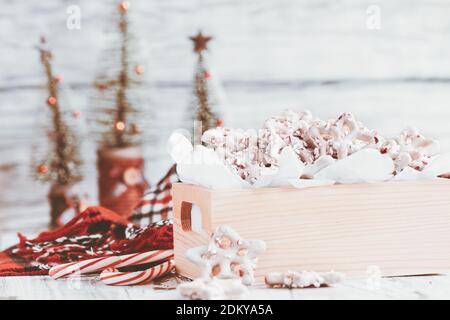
point(248, 153)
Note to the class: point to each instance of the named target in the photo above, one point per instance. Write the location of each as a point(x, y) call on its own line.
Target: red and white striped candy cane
point(112, 277)
point(102, 263)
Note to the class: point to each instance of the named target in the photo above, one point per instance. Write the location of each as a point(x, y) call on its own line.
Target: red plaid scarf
point(96, 232)
point(156, 204)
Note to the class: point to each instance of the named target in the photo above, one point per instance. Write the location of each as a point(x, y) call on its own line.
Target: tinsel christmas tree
point(204, 106)
point(120, 161)
point(114, 111)
point(61, 167)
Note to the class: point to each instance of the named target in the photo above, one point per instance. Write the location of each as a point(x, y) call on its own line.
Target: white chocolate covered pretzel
point(227, 256)
point(302, 279)
point(213, 289)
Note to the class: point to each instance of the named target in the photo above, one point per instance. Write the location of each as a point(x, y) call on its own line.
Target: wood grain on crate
point(400, 227)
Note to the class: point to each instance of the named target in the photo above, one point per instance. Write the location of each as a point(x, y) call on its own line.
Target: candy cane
point(112, 277)
point(102, 263)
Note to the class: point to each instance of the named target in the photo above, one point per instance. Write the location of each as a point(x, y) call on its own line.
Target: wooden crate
point(403, 228)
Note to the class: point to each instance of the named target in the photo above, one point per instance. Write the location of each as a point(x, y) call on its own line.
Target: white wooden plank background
point(269, 55)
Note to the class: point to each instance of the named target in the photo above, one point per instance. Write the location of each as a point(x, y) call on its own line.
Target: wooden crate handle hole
point(191, 217)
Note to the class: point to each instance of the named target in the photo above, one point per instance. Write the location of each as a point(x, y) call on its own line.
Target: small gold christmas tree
point(120, 160)
point(203, 104)
point(62, 167)
point(117, 116)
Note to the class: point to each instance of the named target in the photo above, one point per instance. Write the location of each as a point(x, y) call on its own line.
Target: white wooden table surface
point(271, 55)
point(425, 287)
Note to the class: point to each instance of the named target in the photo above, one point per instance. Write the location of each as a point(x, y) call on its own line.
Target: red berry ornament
point(51, 101)
point(42, 169)
point(219, 122)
